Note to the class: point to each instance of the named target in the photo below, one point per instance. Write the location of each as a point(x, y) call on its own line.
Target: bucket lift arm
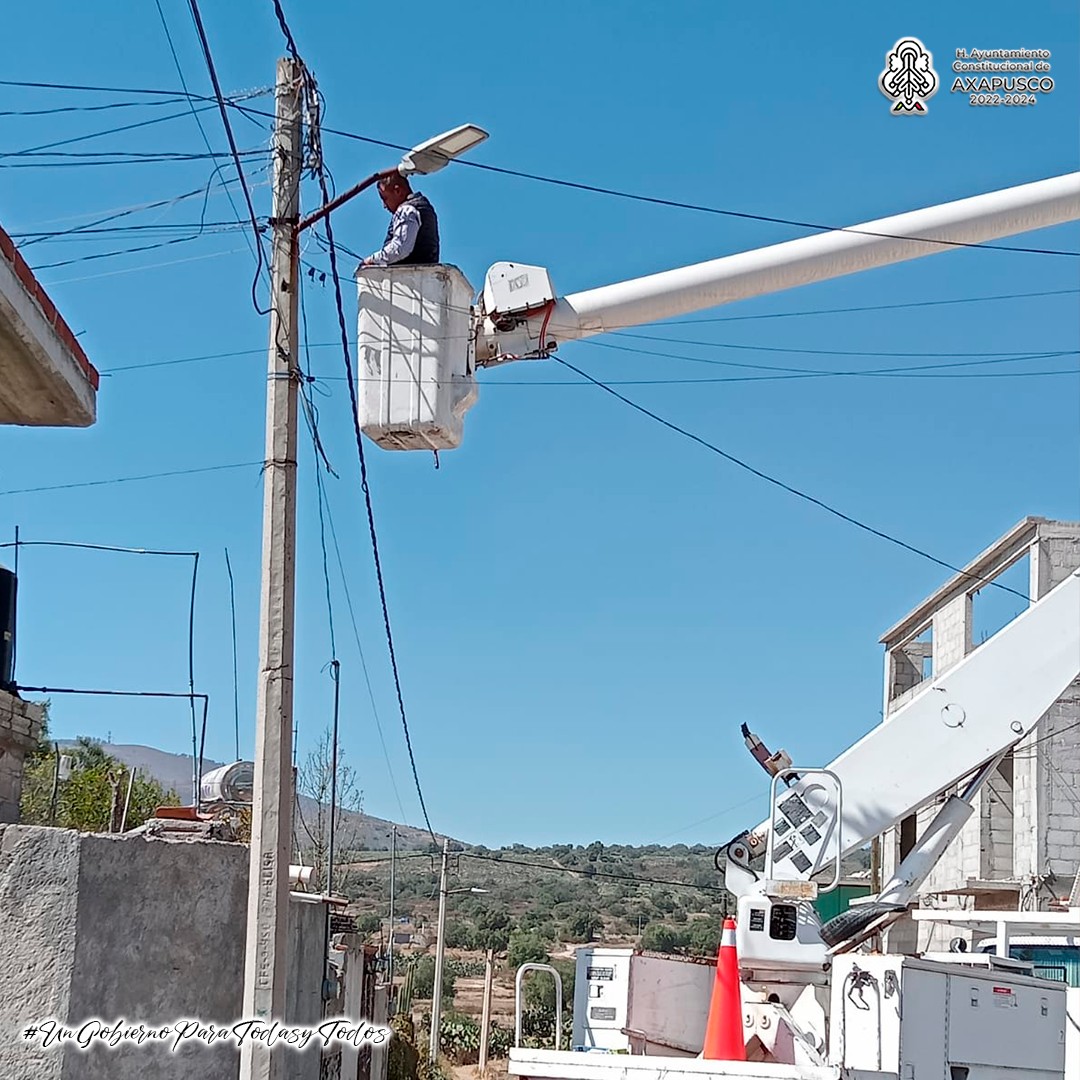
point(420, 339)
point(521, 314)
point(959, 724)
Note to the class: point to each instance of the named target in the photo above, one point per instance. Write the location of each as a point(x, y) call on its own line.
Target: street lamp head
point(438, 152)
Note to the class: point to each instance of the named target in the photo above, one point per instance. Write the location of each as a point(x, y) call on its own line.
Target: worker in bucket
point(413, 236)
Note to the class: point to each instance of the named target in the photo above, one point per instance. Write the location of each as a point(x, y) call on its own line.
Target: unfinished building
point(1021, 847)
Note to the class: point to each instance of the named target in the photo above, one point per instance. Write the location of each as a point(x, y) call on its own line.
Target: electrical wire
point(100, 89)
point(813, 500)
point(131, 479)
point(311, 416)
point(592, 873)
point(366, 489)
point(178, 100)
point(123, 230)
point(677, 204)
point(194, 6)
point(197, 750)
point(98, 134)
point(951, 353)
point(113, 215)
point(235, 679)
point(114, 254)
point(904, 306)
point(156, 158)
point(195, 112)
point(142, 268)
point(988, 358)
point(558, 869)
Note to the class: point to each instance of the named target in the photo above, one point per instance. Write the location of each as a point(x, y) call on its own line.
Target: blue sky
point(586, 606)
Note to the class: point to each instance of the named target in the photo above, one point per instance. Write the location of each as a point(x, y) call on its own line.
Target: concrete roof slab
point(46, 379)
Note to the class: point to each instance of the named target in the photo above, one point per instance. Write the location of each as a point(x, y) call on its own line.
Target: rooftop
point(46, 379)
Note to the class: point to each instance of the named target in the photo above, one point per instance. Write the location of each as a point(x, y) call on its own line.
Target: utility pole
point(271, 819)
point(440, 945)
point(390, 955)
point(485, 1015)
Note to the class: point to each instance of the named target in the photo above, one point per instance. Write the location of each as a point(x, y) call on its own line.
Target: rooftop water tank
point(229, 784)
point(8, 585)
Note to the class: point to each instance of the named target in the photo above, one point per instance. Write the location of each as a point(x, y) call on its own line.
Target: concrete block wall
point(134, 928)
point(20, 729)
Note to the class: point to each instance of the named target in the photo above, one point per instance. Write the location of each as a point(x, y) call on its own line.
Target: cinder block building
point(1021, 848)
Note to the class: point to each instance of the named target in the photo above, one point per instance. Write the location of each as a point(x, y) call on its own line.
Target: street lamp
point(427, 157)
point(440, 945)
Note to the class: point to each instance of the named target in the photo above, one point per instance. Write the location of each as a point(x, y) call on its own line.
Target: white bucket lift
point(415, 356)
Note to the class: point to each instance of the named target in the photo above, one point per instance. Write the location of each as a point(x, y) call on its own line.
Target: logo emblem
point(909, 77)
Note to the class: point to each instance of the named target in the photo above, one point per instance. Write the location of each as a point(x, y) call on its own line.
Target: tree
point(539, 992)
point(93, 798)
point(459, 936)
point(368, 924)
point(661, 938)
point(526, 947)
point(704, 937)
point(424, 979)
point(581, 925)
point(315, 782)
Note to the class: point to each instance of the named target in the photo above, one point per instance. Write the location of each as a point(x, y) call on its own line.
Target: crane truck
point(818, 1004)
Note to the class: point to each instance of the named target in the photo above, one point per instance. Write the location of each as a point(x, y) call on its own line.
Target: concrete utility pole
point(393, 886)
point(440, 947)
point(485, 1015)
point(271, 818)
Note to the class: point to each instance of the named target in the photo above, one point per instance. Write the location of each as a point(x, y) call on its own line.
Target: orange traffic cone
point(724, 1039)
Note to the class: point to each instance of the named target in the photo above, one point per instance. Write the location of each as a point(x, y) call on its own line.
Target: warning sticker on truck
point(1004, 997)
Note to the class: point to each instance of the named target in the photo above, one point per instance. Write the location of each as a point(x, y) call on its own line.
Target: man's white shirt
point(404, 228)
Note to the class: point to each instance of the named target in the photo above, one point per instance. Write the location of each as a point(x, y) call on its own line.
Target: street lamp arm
point(324, 211)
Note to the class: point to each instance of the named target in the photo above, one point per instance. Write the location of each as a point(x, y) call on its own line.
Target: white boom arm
point(420, 337)
point(958, 722)
point(511, 326)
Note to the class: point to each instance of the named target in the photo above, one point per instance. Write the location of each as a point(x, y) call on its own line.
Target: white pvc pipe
point(976, 220)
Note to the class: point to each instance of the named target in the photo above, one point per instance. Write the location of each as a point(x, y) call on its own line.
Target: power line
point(104, 89)
point(880, 307)
point(988, 358)
point(131, 479)
point(194, 5)
point(114, 160)
point(901, 371)
point(363, 660)
point(593, 873)
point(365, 488)
point(94, 108)
point(813, 226)
point(194, 111)
point(93, 232)
point(676, 204)
point(113, 254)
point(550, 868)
point(311, 415)
point(952, 353)
point(235, 680)
point(99, 134)
point(114, 215)
point(143, 268)
point(713, 448)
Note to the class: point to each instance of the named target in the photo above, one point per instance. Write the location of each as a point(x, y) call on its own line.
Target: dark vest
point(426, 248)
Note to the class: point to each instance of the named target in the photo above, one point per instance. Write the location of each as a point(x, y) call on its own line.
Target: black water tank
point(8, 585)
